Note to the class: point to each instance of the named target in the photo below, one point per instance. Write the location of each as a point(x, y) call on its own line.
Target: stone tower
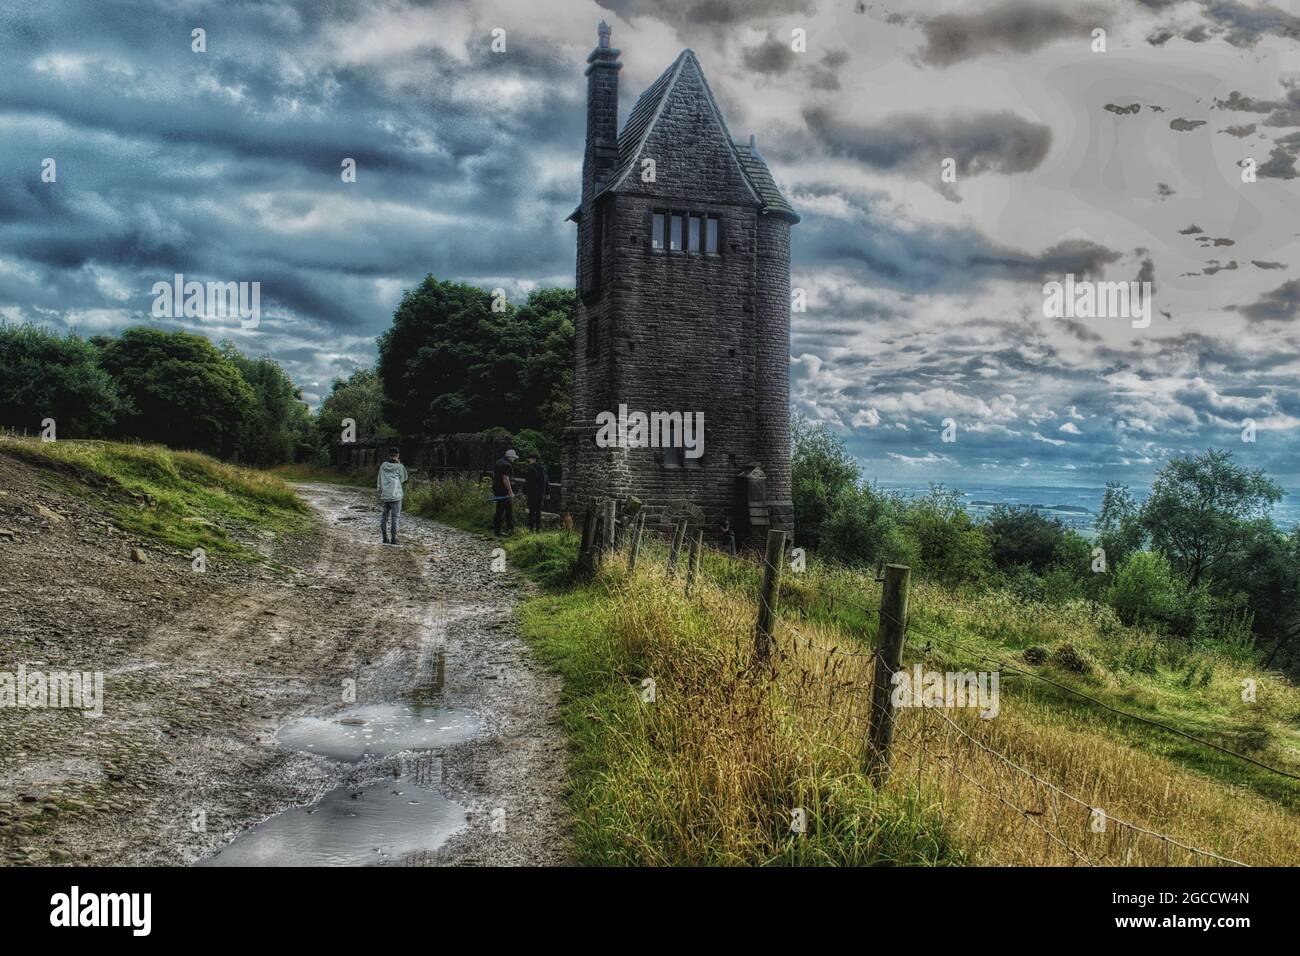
point(683, 280)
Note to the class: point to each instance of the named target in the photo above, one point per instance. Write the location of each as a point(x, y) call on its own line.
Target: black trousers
point(505, 515)
point(534, 514)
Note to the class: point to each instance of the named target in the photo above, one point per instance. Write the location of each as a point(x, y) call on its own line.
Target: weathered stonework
point(662, 330)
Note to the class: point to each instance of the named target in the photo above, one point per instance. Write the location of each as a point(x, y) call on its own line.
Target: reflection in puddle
point(376, 824)
point(376, 730)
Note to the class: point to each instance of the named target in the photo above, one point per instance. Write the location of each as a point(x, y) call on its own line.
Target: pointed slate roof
point(640, 123)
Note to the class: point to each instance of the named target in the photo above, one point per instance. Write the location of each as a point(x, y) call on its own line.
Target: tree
point(451, 364)
point(1119, 525)
point(279, 428)
point(548, 314)
point(44, 375)
point(1267, 573)
point(1200, 510)
point(184, 393)
point(359, 397)
point(1019, 535)
point(822, 471)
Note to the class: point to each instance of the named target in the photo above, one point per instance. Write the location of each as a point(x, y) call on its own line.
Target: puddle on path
point(348, 827)
point(376, 730)
point(381, 822)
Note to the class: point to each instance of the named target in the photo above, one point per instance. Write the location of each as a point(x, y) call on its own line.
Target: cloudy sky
point(925, 297)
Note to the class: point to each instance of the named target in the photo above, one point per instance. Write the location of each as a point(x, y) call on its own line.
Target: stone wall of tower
point(663, 331)
point(772, 363)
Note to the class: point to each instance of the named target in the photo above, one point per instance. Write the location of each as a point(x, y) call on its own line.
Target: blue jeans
point(393, 508)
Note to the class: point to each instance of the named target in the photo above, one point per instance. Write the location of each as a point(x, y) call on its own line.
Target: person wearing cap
point(503, 494)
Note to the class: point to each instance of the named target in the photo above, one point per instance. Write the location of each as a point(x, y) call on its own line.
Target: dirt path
point(201, 671)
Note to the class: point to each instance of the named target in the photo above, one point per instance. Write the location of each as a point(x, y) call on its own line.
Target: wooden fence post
point(638, 526)
point(889, 652)
point(585, 549)
point(679, 535)
point(611, 520)
point(693, 562)
point(768, 596)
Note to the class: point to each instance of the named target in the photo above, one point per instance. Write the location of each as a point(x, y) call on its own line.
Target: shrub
point(948, 544)
point(1145, 590)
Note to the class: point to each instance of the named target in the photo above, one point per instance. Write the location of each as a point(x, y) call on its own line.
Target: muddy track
point(201, 672)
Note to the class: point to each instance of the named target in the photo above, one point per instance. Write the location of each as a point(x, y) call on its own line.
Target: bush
point(861, 527)
point(822, 473)
point(948, 544)
point(1145, 590)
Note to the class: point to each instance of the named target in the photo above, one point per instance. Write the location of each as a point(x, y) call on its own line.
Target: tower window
point(674, 231)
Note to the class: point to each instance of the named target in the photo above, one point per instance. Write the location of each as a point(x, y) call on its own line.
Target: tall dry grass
point(712, 770)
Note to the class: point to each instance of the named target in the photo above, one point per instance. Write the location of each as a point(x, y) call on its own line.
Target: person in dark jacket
point(538, 490)
point(503, 494)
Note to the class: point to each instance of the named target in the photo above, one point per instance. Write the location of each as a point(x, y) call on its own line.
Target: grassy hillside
point(710, 772)
point(183, 499)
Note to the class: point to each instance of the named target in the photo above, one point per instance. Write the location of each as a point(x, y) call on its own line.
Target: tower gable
point(678, 125)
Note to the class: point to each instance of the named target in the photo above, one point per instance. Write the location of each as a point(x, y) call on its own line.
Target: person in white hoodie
point(392, 475)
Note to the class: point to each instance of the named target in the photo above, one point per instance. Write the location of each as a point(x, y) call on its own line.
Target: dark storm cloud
point(1281, 112)
point(1013, 26)
point(1244, 26)
point(1001, 143)
point(683, 13)
point(771, 56)
point(1281, 161)
point(933, 259)
point(1278, 305)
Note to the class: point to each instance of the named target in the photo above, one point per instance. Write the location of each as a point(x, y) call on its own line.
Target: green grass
point(460, 502)
point(326, 474)
point(660, 784)
point(182, 499)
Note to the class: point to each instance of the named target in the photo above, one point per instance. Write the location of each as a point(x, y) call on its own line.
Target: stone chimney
point(602, 113)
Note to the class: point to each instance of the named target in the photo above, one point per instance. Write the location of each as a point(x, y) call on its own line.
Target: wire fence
point(965, 761)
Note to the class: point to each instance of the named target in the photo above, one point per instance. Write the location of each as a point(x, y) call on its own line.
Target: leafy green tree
point(183, 391)
point(1201, 510)
point(1266, 572)
point(822, 470)
point(279, 428)
point(359, 397)
point(1019, 535)
point(44, 375)
point(1119, 525)
point(451, 364)
point(548, 314)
